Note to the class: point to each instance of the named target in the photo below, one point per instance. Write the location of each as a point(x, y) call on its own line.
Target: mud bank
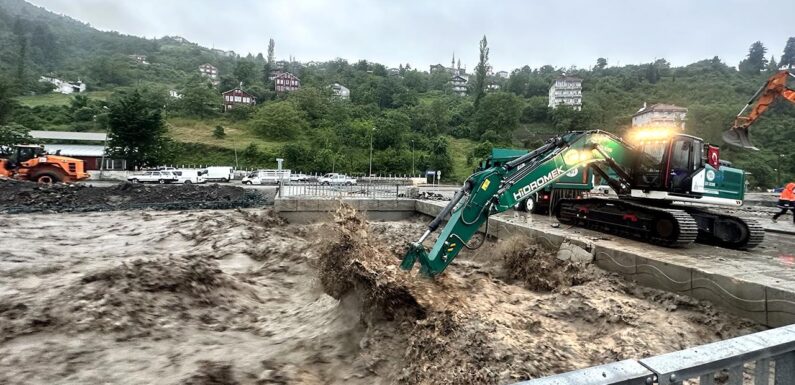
point(239, 297)
point(28, 197)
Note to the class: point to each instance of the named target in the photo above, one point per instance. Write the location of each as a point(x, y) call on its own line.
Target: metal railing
point(359, 190)
point(768, 358)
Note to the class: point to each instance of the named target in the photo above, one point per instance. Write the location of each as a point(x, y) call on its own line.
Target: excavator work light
point(650, 134)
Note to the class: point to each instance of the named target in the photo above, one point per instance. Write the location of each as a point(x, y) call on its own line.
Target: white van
point(190, 176)
point(221, 174)
point(267, 177)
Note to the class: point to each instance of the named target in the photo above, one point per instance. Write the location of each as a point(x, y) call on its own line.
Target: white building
point(340, 91)
point(567, 91)
point(64, 87)
point(667, 115)
point(459, 85)
point(503, 74)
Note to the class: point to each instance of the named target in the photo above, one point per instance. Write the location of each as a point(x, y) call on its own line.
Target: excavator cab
point(668, 164)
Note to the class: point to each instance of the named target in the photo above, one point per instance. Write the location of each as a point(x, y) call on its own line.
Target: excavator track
point(661, 226)
point(726, 231)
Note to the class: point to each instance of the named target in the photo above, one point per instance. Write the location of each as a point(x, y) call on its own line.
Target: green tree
point(137, 131)
point(279, 120)
point(391, 130)
point(601, 63)
point(499, 112)
point(245, 72)
point(772, 66)
point(440, 158)
point(7, 102)
point(479, 87)
point(218, 132)
point(755, 61)
point(11, 135)
point(788, 57)
point(199, 99)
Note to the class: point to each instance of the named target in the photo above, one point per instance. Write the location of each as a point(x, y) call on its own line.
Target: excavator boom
point(500, 188)
point(775, 86)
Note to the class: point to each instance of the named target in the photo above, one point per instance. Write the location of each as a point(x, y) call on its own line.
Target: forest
point(410, 115)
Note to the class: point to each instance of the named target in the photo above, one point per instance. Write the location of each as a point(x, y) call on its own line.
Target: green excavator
point(660, 177)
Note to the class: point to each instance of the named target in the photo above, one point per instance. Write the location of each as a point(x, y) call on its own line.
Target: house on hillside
point(566, 91)
point(459, 85)
point(208, 70)
point(64, 87)
point(503, 74)
point(660, 114)
point(140, 59)
point(340, 91)
point(286, 82)
point(237, 97)
point(437, 68)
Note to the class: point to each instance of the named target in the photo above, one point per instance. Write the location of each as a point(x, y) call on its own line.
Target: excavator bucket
point(417, 253)
point(738, 136)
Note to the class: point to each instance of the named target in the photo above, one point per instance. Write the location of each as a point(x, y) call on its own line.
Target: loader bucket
point(738, 136)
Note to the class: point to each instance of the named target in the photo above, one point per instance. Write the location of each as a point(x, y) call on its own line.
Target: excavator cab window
point(649, 167)
point(685, 160)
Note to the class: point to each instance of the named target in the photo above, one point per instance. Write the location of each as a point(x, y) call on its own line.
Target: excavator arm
point(499, 189)
point(775, 86)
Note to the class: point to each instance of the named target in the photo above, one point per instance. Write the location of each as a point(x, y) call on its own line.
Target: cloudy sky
point(423, 32)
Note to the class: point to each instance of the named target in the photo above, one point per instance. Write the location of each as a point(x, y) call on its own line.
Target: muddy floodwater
point(240, 297)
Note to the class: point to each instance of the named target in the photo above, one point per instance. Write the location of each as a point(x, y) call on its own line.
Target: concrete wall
point(307, 210)
point(754, 289)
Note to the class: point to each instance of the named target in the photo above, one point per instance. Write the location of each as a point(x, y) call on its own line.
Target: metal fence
point(764, 358)
point(360, 190)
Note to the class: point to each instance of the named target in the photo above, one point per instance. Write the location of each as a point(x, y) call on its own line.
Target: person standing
point(786, 201)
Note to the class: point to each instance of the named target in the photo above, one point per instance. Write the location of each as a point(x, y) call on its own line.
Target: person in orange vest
point(786, 201)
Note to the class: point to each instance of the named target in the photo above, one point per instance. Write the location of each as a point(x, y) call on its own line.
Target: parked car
point(190, 176)
point(267, 177)
point(161, 177)
point(299, 178)
point(336, 179)
point(220, 174)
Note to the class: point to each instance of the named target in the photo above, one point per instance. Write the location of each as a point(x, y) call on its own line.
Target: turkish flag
point(713, 156)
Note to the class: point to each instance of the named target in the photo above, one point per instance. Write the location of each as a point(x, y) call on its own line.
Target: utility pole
point(778, 170)
point(371, 152)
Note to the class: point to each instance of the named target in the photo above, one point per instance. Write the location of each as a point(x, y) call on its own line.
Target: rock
point(574, 253)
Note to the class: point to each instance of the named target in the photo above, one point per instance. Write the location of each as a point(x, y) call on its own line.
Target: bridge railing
point(766, 358)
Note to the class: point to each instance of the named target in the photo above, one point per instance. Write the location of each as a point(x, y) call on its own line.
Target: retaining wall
point(751, 287)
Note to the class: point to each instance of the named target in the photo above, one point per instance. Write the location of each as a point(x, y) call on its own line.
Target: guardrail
point(738, 358)
point(359, 190)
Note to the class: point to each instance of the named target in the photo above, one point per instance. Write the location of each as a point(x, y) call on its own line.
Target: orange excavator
point(775, 87)
point(31, 162)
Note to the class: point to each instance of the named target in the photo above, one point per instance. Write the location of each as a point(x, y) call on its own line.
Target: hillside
point(414, 113)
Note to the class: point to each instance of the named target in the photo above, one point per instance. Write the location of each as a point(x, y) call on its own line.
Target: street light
point(412, 158)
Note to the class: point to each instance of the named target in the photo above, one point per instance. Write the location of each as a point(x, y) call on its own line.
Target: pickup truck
point(336, 179)
point(161, 177)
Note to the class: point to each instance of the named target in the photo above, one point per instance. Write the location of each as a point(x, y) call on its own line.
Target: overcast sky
point(560, 33)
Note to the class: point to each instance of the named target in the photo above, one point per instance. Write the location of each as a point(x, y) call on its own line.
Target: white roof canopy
point(65, 135)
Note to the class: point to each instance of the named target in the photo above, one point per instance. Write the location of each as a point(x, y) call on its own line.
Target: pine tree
point(788, 58)
point(756, 61)
point(772, 66)
point(479, 89)
point(268, 68)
